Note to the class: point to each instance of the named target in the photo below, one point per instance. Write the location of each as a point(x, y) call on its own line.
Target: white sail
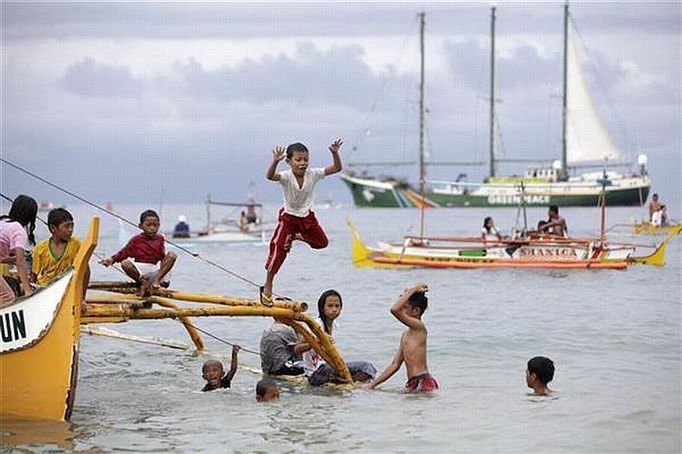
point(587, 138)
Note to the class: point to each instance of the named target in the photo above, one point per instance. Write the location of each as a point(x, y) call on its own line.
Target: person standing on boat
point(16, 229)
point(654, 206)
point(555, 225)
point(489, 232)
point(296, 220)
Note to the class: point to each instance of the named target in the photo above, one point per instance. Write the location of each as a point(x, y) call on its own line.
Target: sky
point(137, 102)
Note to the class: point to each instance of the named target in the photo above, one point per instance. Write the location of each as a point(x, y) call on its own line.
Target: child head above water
point(266, 390)
point(213, 373)
point(539, 372)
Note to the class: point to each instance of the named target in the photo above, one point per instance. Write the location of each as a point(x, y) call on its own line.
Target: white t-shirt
point(492, 235)
point(299, 201)
point(310, 359)
point(657, 218)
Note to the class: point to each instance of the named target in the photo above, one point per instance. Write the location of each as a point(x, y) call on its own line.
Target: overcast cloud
point(122, 101)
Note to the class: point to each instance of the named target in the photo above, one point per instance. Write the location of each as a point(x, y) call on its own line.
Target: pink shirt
point(12, 236)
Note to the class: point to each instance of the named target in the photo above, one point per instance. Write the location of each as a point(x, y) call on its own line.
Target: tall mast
point(563, 174)
point(492, 92)
point(422, 112)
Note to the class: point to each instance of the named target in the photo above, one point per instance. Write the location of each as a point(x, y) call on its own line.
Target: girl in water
point(316, 369)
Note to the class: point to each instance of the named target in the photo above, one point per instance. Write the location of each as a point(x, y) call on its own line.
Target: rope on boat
point(226, 342)
point(127, 221)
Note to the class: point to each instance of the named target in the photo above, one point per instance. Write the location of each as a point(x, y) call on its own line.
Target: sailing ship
point(585, 143)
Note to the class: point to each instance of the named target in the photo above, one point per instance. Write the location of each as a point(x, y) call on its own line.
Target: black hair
point(320, 305)
point(263, 385)
point(541, 223)
point(419, 300)
point(554, 209)
point(294, 147)
point(485, 222)
point(148, 213)
point(24, 211)
point(58, 216)
point(542, 367)
point(655, 196)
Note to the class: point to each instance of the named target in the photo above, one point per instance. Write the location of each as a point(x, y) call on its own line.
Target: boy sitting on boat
point(53, 256)
point(212, 371)
point(296, 220)
point(144, 259)
point(539, 372)
point(555, 225)
point(409, 310)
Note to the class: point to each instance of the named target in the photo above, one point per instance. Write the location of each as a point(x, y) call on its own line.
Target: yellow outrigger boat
point(41, 333)
point(647, 228)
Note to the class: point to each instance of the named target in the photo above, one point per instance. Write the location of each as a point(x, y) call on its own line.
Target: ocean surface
point(614, 337)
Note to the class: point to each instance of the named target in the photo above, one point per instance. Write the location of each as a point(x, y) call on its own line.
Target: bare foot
point(144, 287)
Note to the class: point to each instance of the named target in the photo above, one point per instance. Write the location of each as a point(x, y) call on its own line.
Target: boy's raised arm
point(336, 166)
point(277, 155)
point(233, 362)
point(398, 307)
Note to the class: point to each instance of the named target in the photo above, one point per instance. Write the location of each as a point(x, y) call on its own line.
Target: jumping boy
point(539, 372)
point(266, 390)
point(409, 310)
point(212, 371)
point(51, 257)
point(144, 259)
point(296, 221)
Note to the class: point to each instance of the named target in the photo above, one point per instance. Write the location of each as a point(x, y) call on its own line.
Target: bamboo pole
point(130, 289)
point(326, 343)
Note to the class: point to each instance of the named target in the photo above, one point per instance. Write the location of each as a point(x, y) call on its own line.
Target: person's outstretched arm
point(390, 370)
point(233, 362)
point(336, 166)
point(277, 155)
point(397, 308)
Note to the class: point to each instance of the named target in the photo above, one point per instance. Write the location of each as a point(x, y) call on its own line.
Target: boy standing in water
point(296, 221)
point(412, 349)
point(144, 259)
point(539, 372)
point(53, 256)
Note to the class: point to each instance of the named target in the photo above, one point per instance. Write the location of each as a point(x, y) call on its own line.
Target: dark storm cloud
point(94, 79)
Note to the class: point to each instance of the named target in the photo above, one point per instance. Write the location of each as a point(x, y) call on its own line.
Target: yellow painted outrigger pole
point(125, 305)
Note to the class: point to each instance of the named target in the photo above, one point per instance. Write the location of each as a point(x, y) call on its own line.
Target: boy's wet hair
point(419, 300)
point(57, 216)
point(263, 385)
point(210, 362)
point(322, 300)
point(148, 213)
point(294, 147)
point(542, 367)
point(24, 210)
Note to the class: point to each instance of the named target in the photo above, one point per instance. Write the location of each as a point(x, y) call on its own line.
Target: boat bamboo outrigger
point(41, 332)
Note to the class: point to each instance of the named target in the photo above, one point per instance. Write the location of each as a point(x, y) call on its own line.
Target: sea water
point(614, 337)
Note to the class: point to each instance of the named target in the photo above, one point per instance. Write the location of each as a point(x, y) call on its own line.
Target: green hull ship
point(585, 143)
point(367, 192)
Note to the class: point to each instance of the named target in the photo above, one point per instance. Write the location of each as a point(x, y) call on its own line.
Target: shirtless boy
point(556, 225)
point(412, 350)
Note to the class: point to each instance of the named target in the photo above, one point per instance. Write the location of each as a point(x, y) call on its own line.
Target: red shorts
point(423, 383)
point(288, 226)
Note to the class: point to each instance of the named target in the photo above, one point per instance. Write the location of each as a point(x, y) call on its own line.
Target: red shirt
point(143, 249)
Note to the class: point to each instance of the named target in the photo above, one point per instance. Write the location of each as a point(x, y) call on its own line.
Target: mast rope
point(248, 350)
point(127, 221)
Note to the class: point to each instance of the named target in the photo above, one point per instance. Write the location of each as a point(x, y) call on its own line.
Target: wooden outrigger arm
point(117, 308)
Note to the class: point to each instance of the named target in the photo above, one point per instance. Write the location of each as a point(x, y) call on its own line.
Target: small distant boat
point(647, 228)
point(470, 252)
point(248, 228)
